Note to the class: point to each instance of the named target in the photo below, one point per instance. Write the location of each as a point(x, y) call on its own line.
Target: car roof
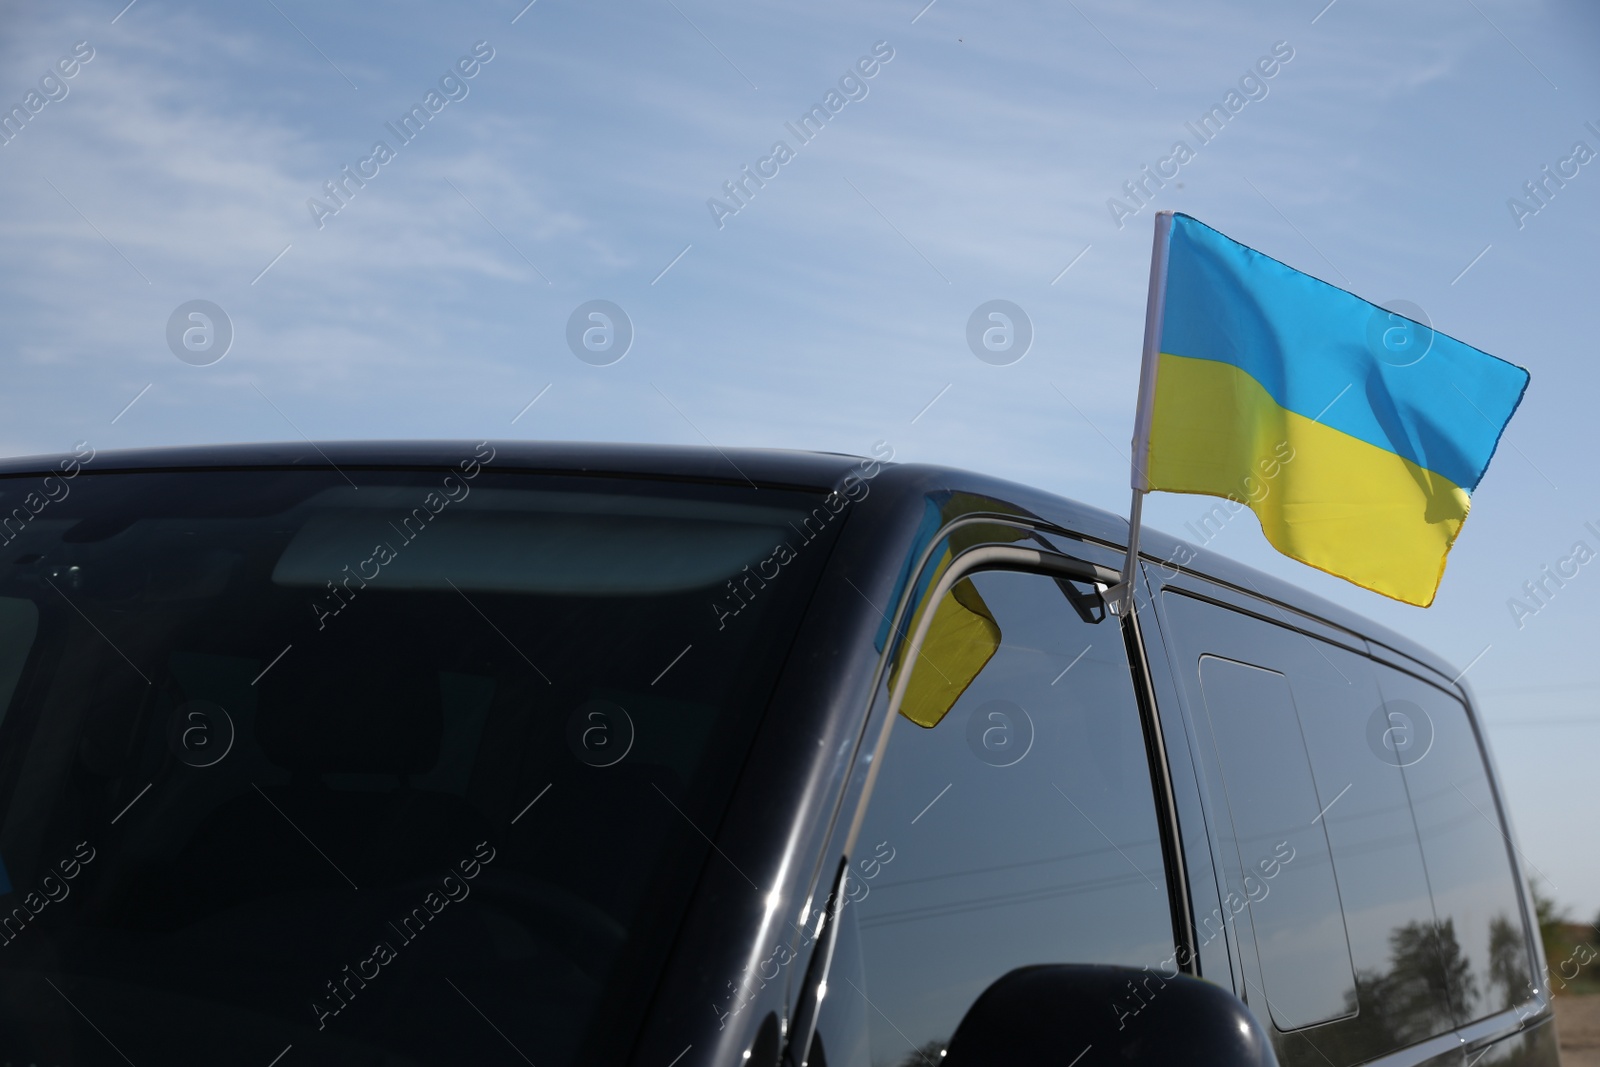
point(762, 467)
point(767, 467)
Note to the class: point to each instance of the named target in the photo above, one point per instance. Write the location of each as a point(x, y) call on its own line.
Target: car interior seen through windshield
point(353, 761)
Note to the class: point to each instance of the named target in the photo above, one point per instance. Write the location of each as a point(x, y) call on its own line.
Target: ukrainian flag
point(1355, 434)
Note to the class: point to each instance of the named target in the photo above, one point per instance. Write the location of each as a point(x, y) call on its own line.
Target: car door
point(1012, 819)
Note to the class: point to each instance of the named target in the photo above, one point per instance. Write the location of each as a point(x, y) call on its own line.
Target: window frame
point(1047, 560)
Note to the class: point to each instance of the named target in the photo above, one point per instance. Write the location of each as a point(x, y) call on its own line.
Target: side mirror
point(1096, 1016)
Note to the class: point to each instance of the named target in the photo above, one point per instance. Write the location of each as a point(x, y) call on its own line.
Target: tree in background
point(929, 1055)
point(1552, 917)
point(1594, 939)
point(1571, 949)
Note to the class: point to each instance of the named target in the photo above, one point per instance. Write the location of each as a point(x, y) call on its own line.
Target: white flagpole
point(1138, 473)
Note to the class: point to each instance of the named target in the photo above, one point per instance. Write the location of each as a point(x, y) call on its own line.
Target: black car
point(457, 753)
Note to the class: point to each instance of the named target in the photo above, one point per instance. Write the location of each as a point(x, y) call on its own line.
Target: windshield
point(387, 767)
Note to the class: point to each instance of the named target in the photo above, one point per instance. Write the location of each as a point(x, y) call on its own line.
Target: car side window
point(1479, 935)
point(1403, 799)
point(1383, 885)
point(1284, 865)
point(1020, 828)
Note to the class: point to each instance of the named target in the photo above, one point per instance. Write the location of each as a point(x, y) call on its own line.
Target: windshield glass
point(389, 767)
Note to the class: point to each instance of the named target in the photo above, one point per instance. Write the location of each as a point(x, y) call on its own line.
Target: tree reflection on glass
point(1508, 961)
point(1428, 980)
point(929, 1055)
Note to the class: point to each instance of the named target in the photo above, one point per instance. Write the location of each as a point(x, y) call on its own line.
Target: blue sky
point(832, 308)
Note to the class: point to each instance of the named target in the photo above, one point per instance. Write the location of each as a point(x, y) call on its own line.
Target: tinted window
point(1275, 810)
point(1479, 936)
point(1382, 883)
point(406, 770)
point(19, 622)
point(1020, 829)
point(1396, 996)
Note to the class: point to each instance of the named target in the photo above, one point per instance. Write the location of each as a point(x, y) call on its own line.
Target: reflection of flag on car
point(1354, 433)
point(961, 641)
point(963, 636)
